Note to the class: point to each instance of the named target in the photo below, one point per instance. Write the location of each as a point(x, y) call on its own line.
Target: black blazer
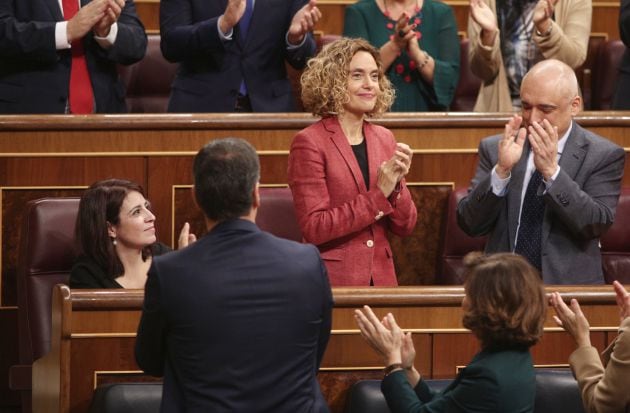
point(211, 70)
point(86, 273)
point(237, 322)
point(34, 76)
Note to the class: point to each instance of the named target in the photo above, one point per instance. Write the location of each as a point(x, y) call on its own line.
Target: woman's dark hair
point(506, 300)
point(100, 205)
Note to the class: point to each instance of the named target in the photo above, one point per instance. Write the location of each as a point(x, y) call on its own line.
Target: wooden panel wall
point(59, 155)
point(605, 15)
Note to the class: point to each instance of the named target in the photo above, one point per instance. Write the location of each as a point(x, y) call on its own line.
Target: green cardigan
point(498, 380)
point(439, 39)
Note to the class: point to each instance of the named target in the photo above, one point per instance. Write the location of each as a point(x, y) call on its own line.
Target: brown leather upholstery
point(605, 73)
point(469, 84)
point(277, 214)
point(45, 257)
point(148, 82)
point(455, 243)
point(616, 243)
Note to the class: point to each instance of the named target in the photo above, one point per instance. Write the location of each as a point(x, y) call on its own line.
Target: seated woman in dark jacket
point(115, 236)
point(504, 307)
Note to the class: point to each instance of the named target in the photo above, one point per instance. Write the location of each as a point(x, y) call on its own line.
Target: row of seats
point(148, 82)
point(556, 391)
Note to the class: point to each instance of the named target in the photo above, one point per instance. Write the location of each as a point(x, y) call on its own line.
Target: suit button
point(379, 215)
point(370, 243)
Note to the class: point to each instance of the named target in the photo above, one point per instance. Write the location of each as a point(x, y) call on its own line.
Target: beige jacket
point(568, 42)
point(605, 390)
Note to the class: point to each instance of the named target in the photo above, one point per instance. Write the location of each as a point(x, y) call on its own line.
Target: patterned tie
point(528, 241)
point(81, 95)
point(243, 26)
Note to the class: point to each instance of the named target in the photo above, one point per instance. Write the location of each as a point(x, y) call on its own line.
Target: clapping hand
point(511, 146)
point(185, 237)
point(386, 338)
point(303, 22)
point(483, 15)
point(112, 13)
point(543, 137)
point(571, 319)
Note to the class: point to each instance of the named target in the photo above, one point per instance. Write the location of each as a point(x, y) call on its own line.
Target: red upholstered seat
point(148, 82)
point(469, 84)
point(605, 74)
point(616, 243)
point(455, 243)
point(277, 213)
point(45, 257)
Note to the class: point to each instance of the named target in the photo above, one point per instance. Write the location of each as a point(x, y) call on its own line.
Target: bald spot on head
point(552, 76)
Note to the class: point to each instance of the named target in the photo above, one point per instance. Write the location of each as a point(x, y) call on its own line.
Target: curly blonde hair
point(506, 300)
point(325, 80)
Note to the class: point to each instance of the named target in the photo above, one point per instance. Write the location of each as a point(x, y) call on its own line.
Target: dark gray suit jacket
point(580, 206)
point(237, 322)
point(211, 70)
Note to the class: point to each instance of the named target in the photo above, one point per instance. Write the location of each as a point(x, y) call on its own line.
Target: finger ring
point(401, 33)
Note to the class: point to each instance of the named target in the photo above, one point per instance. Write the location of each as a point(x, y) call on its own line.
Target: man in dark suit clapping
point(239, 320)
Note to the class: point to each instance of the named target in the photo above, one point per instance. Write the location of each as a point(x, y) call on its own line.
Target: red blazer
point(347, 221)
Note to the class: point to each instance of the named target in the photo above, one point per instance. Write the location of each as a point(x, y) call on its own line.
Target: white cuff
point(224, 36)
point(499, 186)
point(109, 40)
point(294, 46)
point(61, 36)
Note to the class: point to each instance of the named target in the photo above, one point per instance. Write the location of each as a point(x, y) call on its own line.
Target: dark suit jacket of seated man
point(238, 321)
point(581, 180)
point(212, 68)
point(35, 74)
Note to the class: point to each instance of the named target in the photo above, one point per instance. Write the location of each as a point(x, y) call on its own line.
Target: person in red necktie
point(60, 56)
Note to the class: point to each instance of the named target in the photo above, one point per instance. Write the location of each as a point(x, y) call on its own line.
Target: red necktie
point(81, 95)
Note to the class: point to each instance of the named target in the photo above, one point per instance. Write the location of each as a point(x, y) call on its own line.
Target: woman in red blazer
point(346, 174)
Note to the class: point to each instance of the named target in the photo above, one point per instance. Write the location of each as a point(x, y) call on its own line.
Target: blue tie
point(243, 24)
point(528, 241)
point(243, 27)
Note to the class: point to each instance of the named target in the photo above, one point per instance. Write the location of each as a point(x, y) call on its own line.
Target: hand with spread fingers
point(571, 319)
point(303, 22)
point(543, 137)
point(511, 146)
point(483, 15)
point(234, 11)
point(385, 338)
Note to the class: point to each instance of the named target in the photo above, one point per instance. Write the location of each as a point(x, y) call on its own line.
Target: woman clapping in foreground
point(504, 307)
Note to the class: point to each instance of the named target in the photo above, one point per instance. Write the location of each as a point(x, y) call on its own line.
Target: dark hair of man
point(226, 172)
point(100, 205)
point(506, 300)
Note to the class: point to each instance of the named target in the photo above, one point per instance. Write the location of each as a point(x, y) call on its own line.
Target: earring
point(114, 242)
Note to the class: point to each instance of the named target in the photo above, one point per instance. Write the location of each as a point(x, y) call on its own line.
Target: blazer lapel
point(570, 162)
point(374, 154)
point(343, 146)
point(514, 193)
